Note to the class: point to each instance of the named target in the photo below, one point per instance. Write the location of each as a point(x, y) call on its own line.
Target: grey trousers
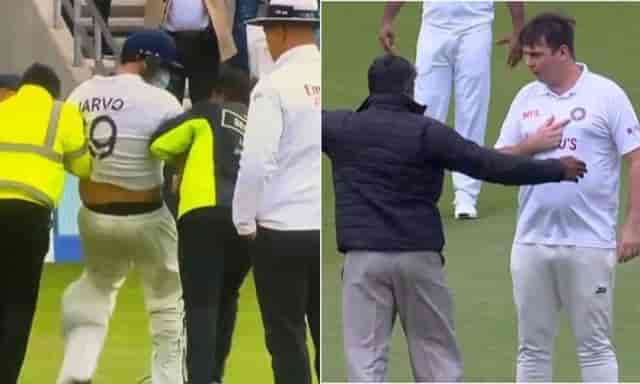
point(379, 285)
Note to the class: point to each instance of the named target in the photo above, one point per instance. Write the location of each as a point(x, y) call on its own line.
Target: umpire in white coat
point(277, 195)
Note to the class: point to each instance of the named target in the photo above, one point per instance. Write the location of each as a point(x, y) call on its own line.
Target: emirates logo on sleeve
point(312, 90)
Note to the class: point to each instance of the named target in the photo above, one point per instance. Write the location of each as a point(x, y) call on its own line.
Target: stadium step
point(126, 16)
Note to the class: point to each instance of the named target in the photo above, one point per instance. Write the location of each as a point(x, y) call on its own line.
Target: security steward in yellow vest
point(213, 259)
point(40, 138)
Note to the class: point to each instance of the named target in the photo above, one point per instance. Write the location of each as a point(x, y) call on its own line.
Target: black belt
point(125, 209)
point(190, 33)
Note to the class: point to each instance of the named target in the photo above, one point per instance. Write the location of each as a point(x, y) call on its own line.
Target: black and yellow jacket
point(210, 135)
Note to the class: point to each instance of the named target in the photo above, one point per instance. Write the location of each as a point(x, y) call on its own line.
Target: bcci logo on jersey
point(578, 113)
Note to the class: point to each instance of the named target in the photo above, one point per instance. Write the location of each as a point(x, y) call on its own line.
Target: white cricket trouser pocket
point(434, 67)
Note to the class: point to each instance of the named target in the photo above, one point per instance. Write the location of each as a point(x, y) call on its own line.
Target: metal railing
point(81, 26)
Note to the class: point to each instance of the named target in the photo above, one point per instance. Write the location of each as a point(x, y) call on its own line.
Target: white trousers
point(462, 60)
point(580, 280)
point(112, 245)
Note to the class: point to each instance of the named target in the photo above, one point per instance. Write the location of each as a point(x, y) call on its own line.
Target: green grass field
point(477, 252)
point(125, 358)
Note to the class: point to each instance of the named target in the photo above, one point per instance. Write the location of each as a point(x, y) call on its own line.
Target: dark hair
point(42, 76)
point(555, 28)
point(130, 57)
point(9, 81)
point(234, 84)
point(391, 74)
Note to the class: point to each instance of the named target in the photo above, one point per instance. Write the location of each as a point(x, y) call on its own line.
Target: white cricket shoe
point(465, 208)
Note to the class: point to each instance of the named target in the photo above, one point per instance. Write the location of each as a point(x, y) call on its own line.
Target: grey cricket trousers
point(379, 285)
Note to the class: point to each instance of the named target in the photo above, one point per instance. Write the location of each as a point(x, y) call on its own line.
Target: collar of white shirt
point(308, 50)
point(546, 91)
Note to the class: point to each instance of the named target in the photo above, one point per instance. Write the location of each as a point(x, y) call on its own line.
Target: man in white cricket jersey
point(564, 251)
point(454, 47)
point(123, 220)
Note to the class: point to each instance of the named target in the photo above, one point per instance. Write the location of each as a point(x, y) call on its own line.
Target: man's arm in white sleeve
point(258, 159)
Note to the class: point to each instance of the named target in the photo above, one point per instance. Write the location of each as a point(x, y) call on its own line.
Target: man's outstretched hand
point(574, 169)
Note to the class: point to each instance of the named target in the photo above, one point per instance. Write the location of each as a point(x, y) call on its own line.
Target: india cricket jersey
point(603, 128)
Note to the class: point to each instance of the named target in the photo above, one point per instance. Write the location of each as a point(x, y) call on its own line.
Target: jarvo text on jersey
point(96, 104)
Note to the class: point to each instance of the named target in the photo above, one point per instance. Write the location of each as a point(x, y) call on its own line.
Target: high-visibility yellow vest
point(40, 138)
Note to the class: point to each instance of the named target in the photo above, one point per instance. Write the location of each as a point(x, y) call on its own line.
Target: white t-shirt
point(186, 15)
point(603, 127)
point(279, 181)
point(457, 16)
point(121, 113)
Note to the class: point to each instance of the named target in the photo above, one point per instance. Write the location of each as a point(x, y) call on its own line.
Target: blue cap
point(9, 81)
point(151, 43)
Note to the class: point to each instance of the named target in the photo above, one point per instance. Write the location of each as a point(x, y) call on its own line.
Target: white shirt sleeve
point(172, 107)
point(258, 159)
point(623, 123)
point(511, 132)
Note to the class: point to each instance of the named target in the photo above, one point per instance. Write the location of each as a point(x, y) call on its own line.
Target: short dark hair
point(234, 84)
point(556, 29)
point(42, 76)
point(9, 81)
point(391, 74)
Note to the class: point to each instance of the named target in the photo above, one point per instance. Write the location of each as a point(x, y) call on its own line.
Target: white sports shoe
point(465, 212)
point(465, 209)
